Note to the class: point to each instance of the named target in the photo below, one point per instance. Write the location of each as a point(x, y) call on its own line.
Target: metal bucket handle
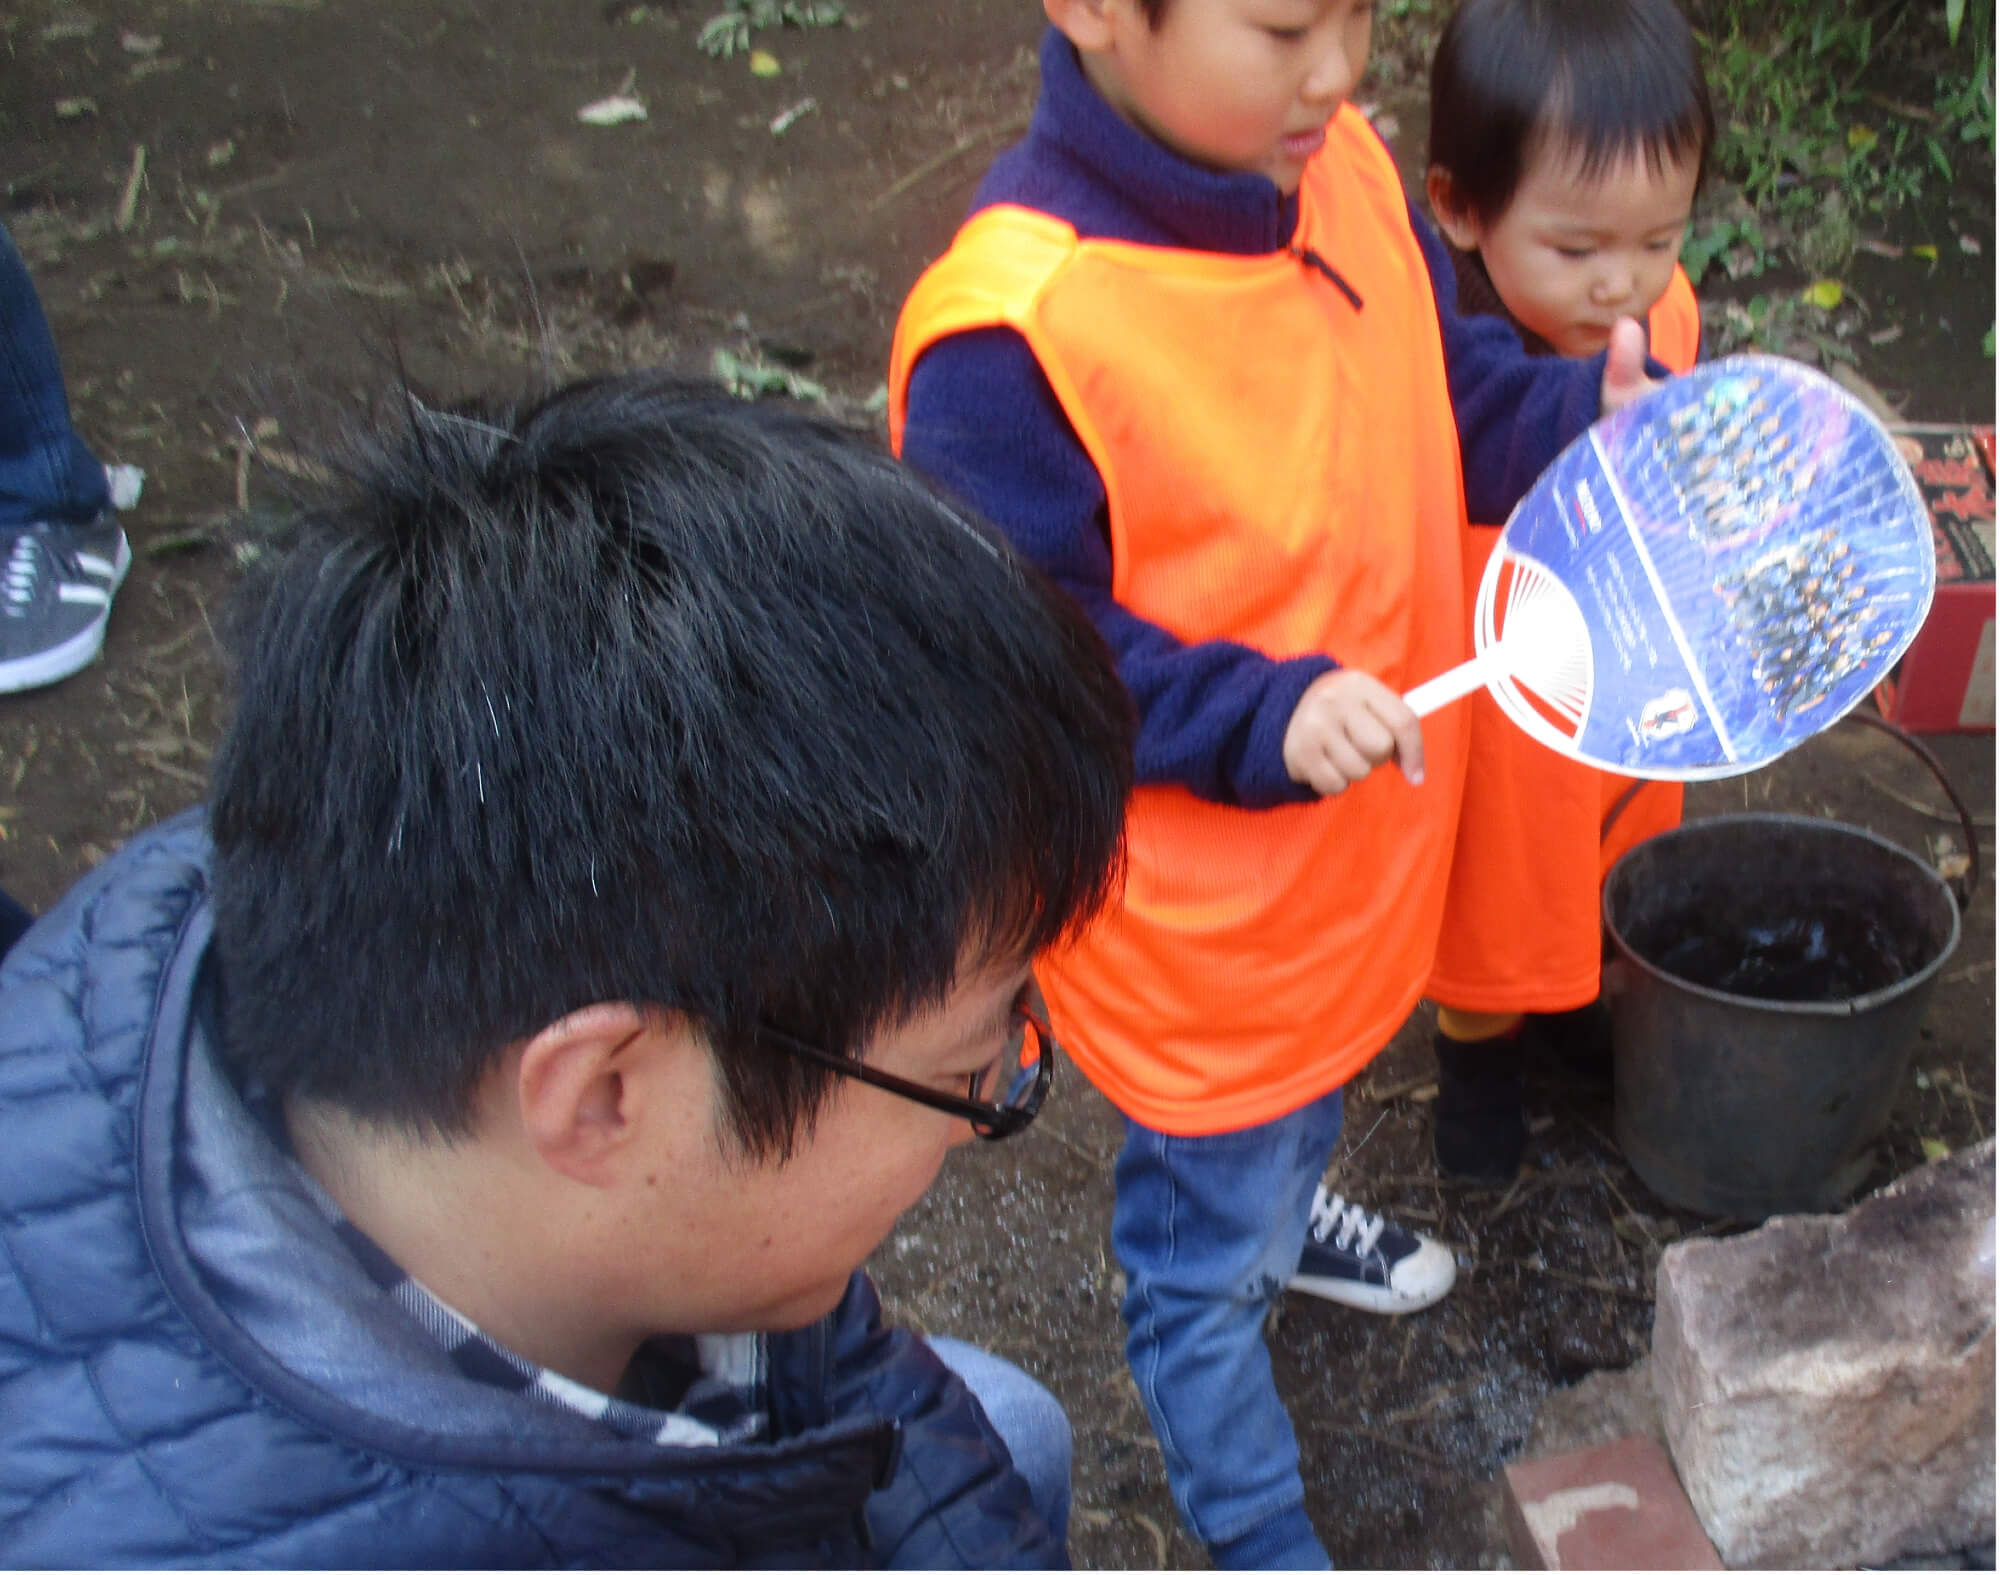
point(1962, 887)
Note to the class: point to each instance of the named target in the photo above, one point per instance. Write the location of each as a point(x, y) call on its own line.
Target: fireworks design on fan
point(1805, 613)
point(1731, 464)
point(1778, 522)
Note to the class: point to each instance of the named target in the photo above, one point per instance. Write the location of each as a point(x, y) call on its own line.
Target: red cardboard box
point(1944, 683)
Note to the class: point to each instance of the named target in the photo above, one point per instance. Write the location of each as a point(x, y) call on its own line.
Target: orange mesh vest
point(1522, 932)
point(1282, 470)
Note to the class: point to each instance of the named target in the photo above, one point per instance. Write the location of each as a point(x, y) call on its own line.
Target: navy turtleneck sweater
point(984, 423)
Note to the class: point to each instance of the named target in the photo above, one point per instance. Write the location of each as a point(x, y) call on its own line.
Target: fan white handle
point(1433, 694)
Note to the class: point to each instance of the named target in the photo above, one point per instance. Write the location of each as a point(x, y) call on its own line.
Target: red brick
point(1616, 1507)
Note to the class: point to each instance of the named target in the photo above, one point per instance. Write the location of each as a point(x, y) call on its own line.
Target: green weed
point(1806, 131)
point(752, 377)
point(728, 32)
point(1784, 323)
point(1736, 245)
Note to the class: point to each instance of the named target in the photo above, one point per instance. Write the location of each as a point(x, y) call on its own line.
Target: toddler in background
point(1567, 141)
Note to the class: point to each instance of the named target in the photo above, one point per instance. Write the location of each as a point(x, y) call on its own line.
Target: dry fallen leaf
point(613, 111)
point(784, 120)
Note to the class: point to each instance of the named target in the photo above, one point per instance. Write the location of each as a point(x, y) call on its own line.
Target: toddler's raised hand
point(1625, 376)
point(1346, 725)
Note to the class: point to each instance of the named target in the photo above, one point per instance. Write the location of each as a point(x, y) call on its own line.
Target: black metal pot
point(1769, 977)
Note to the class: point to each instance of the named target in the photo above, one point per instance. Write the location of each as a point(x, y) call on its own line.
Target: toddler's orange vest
point(1522, 931)
point(1281, 470)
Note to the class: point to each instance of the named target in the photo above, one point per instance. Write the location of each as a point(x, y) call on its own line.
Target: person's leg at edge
point(14, 922)
point(1028, 1419)
point(1208, 1231)
point(62, 555)
point(47, 473)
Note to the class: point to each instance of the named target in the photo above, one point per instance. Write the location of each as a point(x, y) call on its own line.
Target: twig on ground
point(277, 177)
point(1632, 1213)
point(1592, 1128)
point(166, 648)
point(1409, 1085)
point(28, 752)
point(1354, 1152)
point(371, 289)
point(128, 203)
point(1509, 1199)
point(1387, 1442)
point(166, 769)
point(1159, 1538)
point(1430, 1404)
point(287, 463)
point(1071, 1144)
point(963, 146)
point(1448, 1183)
point(1585, 1281)
point(178, 541)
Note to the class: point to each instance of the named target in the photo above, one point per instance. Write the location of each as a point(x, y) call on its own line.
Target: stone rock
point(1602, 1409)
point(1826, 1382)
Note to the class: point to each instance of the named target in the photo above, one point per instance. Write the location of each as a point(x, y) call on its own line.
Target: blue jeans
point(1208, 1231)
point(46, 471)
point(1028, 1419)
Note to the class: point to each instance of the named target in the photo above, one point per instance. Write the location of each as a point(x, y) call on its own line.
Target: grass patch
point(1835, 113)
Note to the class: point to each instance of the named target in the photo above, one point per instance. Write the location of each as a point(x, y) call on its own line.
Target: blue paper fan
point(1705, 579)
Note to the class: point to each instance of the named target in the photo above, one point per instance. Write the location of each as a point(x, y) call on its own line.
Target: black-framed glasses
point(999, 1101)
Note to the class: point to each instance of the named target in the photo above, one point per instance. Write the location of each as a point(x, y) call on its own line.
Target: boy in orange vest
point(1567, 143)
point(1197, 356)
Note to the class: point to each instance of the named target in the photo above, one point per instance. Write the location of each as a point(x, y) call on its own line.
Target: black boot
point(1573, 1048)
point(1480, 1134)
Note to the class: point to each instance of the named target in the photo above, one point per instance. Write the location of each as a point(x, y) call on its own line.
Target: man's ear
point(1085, 23)
point(580, 1087)
point(1459, 227)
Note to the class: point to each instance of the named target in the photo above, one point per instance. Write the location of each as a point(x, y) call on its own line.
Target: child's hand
point(1625, 376)
point(1345, 726)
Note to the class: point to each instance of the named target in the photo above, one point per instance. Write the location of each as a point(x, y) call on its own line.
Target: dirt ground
point(249, 217)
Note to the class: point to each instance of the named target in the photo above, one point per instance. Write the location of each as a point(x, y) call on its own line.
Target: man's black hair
point(641, 693)
point(1596, 79)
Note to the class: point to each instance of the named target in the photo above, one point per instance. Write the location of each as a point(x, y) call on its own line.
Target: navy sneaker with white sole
point(1363, 1260)
point(56, 585)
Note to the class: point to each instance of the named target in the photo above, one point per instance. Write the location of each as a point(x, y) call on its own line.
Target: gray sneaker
point(56, 585)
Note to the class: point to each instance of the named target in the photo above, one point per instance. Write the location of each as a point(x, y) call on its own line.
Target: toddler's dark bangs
point(1599, 118)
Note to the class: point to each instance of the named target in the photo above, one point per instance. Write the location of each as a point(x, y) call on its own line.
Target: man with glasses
point(458, 1143)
